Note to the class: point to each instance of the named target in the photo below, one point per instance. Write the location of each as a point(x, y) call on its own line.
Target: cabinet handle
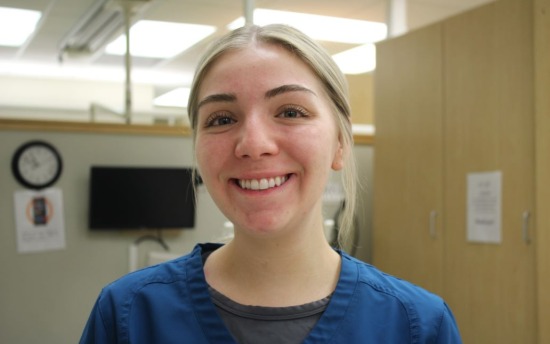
point(433, 218)
point(525, 227)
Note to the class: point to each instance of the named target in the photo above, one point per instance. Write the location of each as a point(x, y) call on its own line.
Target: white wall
point(46, 297)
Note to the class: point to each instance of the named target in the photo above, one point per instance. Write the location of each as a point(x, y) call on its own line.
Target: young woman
point(271, 120)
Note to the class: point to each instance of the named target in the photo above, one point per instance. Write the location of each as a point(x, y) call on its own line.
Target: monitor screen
point(141, 198)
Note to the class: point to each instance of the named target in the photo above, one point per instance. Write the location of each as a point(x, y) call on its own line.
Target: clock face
point(37, 164)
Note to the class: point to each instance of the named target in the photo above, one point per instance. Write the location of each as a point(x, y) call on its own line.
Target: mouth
point(262, 183)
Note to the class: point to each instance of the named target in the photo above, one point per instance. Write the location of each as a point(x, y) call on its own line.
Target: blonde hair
point(322, 64)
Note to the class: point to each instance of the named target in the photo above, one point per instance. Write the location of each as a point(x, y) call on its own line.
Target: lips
point(262, 184)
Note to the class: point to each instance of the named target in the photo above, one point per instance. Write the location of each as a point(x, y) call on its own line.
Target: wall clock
point(36, 164)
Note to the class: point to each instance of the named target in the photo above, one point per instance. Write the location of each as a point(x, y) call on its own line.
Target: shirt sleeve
point(448, 330)
point(95, 331)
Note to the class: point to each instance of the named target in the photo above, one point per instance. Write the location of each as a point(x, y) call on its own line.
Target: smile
point(262, 184)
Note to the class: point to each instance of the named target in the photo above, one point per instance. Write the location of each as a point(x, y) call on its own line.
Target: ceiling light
point(175, 98)
point(16, 25)
point(100, 24)
point(160, 39)
point(323, 28)
point(361, 59)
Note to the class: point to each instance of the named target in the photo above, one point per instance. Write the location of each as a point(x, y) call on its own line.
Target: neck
point(274, 272)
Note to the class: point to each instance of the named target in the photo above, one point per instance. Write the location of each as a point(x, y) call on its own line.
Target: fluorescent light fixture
point(160, 39)
point(322, 28)
point(16, 25)
point(176, 98)
point(361, 59)
point(99, 25)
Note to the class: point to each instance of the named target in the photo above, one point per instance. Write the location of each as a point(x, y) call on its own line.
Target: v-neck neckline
point(213, 327)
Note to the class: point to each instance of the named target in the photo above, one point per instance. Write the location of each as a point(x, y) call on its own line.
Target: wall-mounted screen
point(141, 198)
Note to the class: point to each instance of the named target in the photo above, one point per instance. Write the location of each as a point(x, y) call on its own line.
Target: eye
point(293, 112)
point(219, 119)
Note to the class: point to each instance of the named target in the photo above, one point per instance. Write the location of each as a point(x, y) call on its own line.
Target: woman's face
point(266, 140)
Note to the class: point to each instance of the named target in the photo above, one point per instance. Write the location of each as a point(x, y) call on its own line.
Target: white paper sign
point(484, 207)
point(39, 220)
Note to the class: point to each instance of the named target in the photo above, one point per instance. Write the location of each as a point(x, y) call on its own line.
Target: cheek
point(209, 154)
point(315, 150)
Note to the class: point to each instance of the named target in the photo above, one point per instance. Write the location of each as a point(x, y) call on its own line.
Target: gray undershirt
point(268, 325)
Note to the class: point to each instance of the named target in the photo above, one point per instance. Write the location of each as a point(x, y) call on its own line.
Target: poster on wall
point(484, 207)
point(39, 220)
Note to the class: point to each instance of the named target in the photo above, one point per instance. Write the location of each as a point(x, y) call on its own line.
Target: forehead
point(257, 64)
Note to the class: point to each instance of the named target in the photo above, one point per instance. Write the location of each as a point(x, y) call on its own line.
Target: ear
point(338, 160)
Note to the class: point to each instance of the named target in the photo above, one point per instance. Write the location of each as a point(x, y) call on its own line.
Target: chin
point(261, 228)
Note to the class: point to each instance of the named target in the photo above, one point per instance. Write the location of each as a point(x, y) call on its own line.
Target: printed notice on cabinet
point(484, 207)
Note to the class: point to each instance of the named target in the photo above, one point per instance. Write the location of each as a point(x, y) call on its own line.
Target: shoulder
point(403, 304)
point(144, 303)
point(163, 273)
point(120, 295)
point(402, 291)
point(159, 281)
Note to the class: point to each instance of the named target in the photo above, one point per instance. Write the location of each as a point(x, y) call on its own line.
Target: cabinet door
point(407, 195)
point(489, 126)
point(542, 158)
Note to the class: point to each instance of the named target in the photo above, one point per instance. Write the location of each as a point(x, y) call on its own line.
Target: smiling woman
point(277, 114)
point(271, 120)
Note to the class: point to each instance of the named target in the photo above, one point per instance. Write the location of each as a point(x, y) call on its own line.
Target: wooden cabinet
point(542, 164)
point(452, 99)
point(408, 158)
point(489, 125)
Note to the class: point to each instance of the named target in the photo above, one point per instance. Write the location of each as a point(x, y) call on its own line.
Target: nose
point(257, 139)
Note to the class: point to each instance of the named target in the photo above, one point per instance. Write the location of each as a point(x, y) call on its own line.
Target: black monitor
point(141, 198)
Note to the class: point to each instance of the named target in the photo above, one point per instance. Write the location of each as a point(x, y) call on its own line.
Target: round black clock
point(36, 164)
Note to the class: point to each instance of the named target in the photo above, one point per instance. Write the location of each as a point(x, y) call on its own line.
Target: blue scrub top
point(170, 303)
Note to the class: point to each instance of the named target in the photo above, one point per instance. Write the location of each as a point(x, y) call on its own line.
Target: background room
point(69, 81)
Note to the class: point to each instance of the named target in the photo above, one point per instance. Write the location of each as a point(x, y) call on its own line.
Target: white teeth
point(261, 184)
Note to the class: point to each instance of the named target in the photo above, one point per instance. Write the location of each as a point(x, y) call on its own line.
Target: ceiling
point(40, 83)
point(60, 16)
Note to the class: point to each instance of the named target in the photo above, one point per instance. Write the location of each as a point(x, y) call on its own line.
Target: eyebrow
point(218, 98)
point(230, 97)
point(287, 88)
